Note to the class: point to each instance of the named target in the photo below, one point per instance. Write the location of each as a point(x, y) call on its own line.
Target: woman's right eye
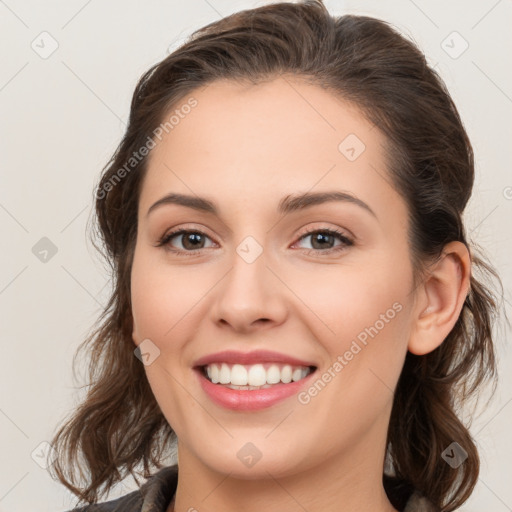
point(190, 241)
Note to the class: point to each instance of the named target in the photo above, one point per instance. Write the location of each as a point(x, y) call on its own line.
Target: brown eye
point(322, 240)
point(190, 240)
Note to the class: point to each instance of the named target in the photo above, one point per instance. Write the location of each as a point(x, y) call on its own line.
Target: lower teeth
point(233, 386)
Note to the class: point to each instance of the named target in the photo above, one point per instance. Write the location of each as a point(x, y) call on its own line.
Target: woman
point(295, 302)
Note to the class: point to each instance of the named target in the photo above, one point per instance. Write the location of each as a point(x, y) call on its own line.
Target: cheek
point(158, 296)
point(167, 300)
point(348, 300)
point(374, 344)
point(162, 301)
point(369, 314)
point(365, 317)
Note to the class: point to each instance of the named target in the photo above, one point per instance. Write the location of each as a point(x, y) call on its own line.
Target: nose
point(250, 297)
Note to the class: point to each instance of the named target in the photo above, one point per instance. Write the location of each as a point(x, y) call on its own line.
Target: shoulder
point(131, 502)
point(155, 494)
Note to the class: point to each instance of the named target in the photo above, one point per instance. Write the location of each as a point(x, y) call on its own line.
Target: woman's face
point(256, 281)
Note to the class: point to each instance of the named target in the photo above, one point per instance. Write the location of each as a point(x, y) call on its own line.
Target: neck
point(353, 484)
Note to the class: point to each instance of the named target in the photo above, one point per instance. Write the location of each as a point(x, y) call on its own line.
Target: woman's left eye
point(322, 238)
point(193, 241)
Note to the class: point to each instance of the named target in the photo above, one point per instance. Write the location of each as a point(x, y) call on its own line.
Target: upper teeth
point(255, 375)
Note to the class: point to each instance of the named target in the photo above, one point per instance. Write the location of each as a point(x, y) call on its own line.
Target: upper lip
point(256, 356)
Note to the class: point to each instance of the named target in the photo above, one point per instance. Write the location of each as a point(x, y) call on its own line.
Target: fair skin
point(245, 148)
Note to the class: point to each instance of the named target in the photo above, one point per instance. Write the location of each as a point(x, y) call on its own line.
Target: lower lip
point(250, 399)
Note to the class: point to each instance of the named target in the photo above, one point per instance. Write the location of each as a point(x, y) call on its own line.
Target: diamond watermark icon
point(454, 45)
point(454, 455)
point(44, 455)
point(44, 45)
point(249, 249)
point(44, 250)
point(147, 352)
point(249, 454)
point(351, 147)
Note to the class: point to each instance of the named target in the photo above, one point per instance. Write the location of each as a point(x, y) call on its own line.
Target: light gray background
point(62, 117)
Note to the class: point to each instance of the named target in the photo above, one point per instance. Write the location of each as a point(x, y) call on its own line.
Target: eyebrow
point(288, 204)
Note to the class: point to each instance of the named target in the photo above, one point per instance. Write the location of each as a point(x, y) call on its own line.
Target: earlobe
point(441, 298)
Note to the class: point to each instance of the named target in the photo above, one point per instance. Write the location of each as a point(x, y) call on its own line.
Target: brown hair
point(430, 160)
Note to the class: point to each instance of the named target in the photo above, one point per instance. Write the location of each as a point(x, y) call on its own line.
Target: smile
point(235, 391)
point(255, 376)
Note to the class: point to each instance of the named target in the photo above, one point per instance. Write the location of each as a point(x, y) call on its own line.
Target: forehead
point(253, 144)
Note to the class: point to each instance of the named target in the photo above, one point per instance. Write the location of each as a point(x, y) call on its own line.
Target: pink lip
point(256, 356)
point(250, 400)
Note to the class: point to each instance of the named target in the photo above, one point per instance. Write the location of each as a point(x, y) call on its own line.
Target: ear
point(440, 299)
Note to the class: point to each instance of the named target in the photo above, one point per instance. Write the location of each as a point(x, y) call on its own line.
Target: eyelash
point(346, 242)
